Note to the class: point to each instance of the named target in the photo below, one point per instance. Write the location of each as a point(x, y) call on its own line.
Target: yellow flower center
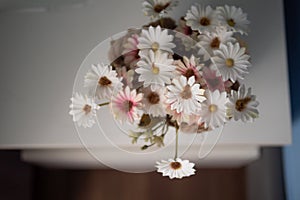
point(229, 62)
point(213, 108)
point(87, 109)
point(155, 69)
point(231, 22)
point(155, 46)
point(175, 165)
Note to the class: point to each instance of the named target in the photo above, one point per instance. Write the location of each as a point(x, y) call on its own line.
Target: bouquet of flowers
point(186, 77)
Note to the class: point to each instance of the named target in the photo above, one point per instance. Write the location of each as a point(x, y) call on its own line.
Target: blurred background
point(42, 45)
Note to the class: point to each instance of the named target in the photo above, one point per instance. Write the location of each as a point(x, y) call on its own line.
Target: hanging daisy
point(242, 105)
point(213, 110)
point(211, 41)
point(83, 110)
point(176, 168)
point(156, 39)
point(157, 8)
point(233, 18)
point(155, 69)
point(201, 18)
point(185, 95)
point(126, 105)
point(231, 61)
point(189, 67)
point(104, 80)
point(153, 102)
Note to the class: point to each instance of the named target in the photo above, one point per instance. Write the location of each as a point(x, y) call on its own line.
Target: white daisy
point(232, 61)
point(242, 105)
point(212, 40)
point(83, 110)
point(155, 69)
point(126, 105)
point(184, 95)
point(213, 110)
point(233, 18)
point(153, 102)
point(157, 8)
point(104, 80)
point(156, 39)
point(176, 168)
point(202, 19)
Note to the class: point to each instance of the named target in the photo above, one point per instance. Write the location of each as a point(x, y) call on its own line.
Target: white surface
point(41, 52)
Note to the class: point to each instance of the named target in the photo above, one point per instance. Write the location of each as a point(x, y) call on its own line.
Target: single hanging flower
point(242, 105)
point(104, 80)
point(157, 8)
point(233, 18)
point(155, 69)
point(231, 61)
point(83, 110)
point(213, 110)
point(126, 105)
point(201, 18)
point(211, 41)
point(185, 95)
point(176, 168)
point(156, 39)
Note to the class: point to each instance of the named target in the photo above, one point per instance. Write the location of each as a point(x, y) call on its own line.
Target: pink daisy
point(131, 51)
point(189, 67)
point(126, 105)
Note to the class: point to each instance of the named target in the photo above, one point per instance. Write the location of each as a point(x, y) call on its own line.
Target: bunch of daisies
point(186, 77)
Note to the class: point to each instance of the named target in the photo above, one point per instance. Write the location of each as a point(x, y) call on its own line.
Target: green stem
point(103, 104)
point(176, 144)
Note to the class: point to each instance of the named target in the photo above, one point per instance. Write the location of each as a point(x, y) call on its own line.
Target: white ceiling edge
point(232, 156)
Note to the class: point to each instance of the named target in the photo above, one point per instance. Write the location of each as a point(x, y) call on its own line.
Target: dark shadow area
point(261, 180)
point(292, 20)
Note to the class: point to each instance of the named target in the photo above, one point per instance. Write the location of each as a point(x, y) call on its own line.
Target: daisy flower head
point(156, 39)
point(201, 18)
point(83, 110)
point(102, 78)
point(126, 105)
point(189, 67)
point(242, 105)
point(213, 110)
point(231, 61)
point(185, 95)
point(131, 51)
point(211, 41)
point(155, 69)
point(153, 102)
point(233, 18)
point(176, 168)
point(157, 8)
